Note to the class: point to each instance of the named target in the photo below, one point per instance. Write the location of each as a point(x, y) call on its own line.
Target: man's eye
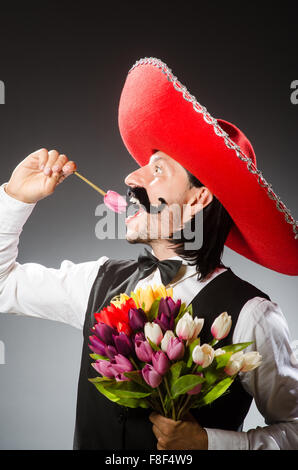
point(157, 167)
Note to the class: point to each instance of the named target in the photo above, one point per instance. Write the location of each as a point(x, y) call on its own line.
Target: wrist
point(14, 196)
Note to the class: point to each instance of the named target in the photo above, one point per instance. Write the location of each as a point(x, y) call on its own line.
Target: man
point(199, 165)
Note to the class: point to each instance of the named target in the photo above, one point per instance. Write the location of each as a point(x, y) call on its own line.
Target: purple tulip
point(137, 318)
point(121, 364)
point(139, 336)
point(143, 351)
point(166, 323)
point(175, 349)
point(169, 307)
point(123, 344)
point(105, 333)
point(97, 346)
point(104, 368)
point(160, 362)
point(151, 376)
point(167, 312)
point(110, 351)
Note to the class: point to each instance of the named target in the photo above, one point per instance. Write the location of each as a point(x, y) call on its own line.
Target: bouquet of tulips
point(147, 352)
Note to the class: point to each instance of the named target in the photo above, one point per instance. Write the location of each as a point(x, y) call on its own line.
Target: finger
point(69, 167)
point(160, 447)
point(166, 425)
point(158, 433)
point(41, 156)
point(59, 163)
point(52, 157)
point(61, 179)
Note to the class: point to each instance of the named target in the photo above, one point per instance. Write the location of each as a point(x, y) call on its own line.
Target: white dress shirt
point(27, 289)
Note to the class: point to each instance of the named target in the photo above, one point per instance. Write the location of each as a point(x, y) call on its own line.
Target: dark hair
point(216, 226)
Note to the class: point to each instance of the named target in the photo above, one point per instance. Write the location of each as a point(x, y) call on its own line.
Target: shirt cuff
point(220, 439)
point(13, 213)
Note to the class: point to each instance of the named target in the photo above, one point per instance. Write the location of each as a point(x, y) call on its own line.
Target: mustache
point(141, 194)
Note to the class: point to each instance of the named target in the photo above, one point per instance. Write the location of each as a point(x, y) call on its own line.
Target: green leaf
point(174, 372)
point(152, 314)
point(189, 309)
point(134, 297)
point(153, 345)
point(136, 377)
point(100, 387)
point(127, 389)
point(189, 351)
point(222, 360)
point(181, 312)
point(184, 384)
point(236, 347)
point(211, 375)
point(98, 356)
point(101, 380)
point(218, 390)
point(134, 402)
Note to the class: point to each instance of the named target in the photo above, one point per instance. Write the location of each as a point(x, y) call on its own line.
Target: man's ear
point(200, 198)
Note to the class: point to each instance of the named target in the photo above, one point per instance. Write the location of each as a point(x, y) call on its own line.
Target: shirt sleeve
point(33, 289)
point(274, 384)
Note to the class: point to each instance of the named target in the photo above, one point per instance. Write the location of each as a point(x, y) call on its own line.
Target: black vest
point(102, 424)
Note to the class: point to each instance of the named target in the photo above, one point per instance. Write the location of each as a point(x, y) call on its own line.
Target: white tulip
point(219, 352)
point(221, 326)
point(153, 332)
point(251, 360)
point(188, 328)
point(235, 363)
point(203, 355)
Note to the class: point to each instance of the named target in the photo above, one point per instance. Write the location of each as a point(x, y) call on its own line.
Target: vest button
point(121, 417)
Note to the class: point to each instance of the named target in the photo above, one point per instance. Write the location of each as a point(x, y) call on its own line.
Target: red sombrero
point(156, 112)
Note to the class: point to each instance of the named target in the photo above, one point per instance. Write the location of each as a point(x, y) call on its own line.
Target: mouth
point(143, 205)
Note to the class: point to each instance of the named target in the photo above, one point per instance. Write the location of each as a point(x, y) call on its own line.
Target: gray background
point(64, 66)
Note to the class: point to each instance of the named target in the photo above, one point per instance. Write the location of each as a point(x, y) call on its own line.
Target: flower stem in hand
point(163, 406)
point(172, 401)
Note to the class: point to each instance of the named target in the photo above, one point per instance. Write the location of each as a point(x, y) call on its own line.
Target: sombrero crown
point(156, 112)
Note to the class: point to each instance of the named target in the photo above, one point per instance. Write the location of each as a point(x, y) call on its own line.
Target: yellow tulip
point(148, 294)
point(119, 299)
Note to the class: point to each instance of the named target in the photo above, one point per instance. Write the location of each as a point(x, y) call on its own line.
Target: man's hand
point(37, 176)
point(184, 434)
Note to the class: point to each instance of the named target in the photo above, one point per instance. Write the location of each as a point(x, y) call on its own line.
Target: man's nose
point(136, 178)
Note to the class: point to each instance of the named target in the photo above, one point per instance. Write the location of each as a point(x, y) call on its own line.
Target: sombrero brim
point(157, 113)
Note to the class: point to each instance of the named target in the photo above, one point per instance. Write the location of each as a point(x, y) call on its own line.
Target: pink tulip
point(143, 350)
point(175, 349)
point(160, 362)
point(115, 202)
point(121, 364)
point(104, 368)
point(151, 376)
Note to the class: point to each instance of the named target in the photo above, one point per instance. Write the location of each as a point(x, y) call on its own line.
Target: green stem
point(160, 396)
point(133, 362)
point(183, 407)
point(172, 401)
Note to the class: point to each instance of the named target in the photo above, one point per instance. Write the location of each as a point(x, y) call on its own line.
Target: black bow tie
point(168, 268)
